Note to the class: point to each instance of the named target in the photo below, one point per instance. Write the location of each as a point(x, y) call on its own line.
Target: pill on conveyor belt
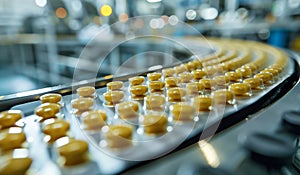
point(11, 138)
point(86, 91)
point(221, 80)
point(155, 123)
point(155, 102)
point(55, 129)
point(50, 98)
point(138, 80)
point(115, 85)
point(234, 76)
point(82, 104)
point(47, 110)
point(113, 97)
point(169, 72)
point(128, 109)
point(198, 74)
point(156, 86)
point(208, 83)
point(194, 88)
point(155, 76)
point(202, 103)
point(94, 120)
point(186, 77)
point(255, 83)
point(15, 162)
point(250, 66)
point(246, 72)
point(266, 77)
point(139, 90)
point(72, 151)
point(172, 81)
point(182, 111)
point(176, 94)
point(241, 89)
point(180, 69)
point(119, 136)
point(223, 96)
point(9, 118)
point(274, 72)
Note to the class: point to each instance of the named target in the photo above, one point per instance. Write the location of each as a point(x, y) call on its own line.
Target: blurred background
point(41, 40)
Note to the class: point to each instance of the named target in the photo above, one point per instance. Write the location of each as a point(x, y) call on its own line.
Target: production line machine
point(230, 111)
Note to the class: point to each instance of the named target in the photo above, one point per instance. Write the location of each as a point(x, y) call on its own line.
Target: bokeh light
point(41, 3)
point(123, 17)
point(106, 10)
point(61, 12)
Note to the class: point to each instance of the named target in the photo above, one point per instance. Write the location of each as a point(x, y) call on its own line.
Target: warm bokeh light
point(123, 17)
point(106, 10)
point(61, 12)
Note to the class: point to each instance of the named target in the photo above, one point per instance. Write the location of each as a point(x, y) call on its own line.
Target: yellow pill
point(246, 72)
point(55, 129)
point(202, 103)
point(186, 77)
point(241, 89)
point(139, 90)
point(155, 102)
point(223, 96)
point(198, 74)
point(190, 65)
point(155, 76)
point(169, 72)
point(194, 88)
point(86, 91)
point(128, 110)
point(209, 70)
point(136, 80)
point(73, 152)
point(180, 69)
point(207, 83)
point(16, 162)
point(47, 110)
point(82, 103)
point(155, 123)
point(172, 81)
point(11, 138)
point(221, 80)
point(266, 77)
point(115, 85)
point(9, 118)
point(119, 136)
point(94, 120)
point(234, 76)
point(274, 72)
point(156, 85)
point(50, 98)
point(113, 97)
point(251, 66)
point(183, 111)
point(255, 83)
point(176, 94)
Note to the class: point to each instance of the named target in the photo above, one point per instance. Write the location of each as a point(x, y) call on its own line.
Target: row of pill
point(14, 149)
point(56, 133)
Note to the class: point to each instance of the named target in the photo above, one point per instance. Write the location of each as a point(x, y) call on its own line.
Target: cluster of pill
point(56, 132)
point(14, 150)
point(179, 94)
